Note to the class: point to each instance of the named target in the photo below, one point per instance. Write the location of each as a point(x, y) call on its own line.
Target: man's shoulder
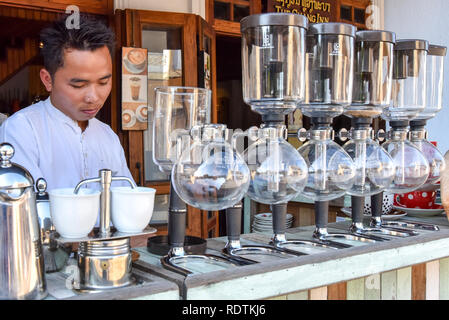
point(30, 113)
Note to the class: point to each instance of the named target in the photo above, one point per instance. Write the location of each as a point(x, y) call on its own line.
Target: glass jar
point(273, 48)
point(176, 110)
point(434, 82)
point(409, 80)
point(329, 69)
point(373, 73)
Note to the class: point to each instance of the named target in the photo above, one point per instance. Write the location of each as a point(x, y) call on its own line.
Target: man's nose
point(92, 95)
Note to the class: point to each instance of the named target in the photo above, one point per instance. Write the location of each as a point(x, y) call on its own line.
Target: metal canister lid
point(12, 175)
point(375, 36)
point(435, 50)
point(411, 44)
point(332, 28)
point(274, 19)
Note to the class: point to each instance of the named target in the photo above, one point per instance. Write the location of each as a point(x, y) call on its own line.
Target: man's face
point(81, 86)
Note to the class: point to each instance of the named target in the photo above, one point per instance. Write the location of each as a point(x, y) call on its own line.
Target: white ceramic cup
point(131, 209)
point(74, 215)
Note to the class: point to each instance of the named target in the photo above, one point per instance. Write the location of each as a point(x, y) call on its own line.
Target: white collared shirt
point(51, 145)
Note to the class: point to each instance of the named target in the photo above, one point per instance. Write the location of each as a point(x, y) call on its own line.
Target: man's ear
point(46, 79)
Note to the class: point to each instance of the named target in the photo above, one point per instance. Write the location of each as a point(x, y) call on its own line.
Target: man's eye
point(77, 87)
point(104, 83)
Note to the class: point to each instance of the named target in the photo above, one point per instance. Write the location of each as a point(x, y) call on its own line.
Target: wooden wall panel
point(355, 289)
point(318, 293)
point(372, 287)
point(337, 291)
point(433, 280)
point(419, 282)
point(427, 281)
point(388, 285)
point(444, 279)
point(404, 284)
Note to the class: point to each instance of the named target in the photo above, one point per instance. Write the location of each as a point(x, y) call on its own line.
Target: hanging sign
point(316, 11)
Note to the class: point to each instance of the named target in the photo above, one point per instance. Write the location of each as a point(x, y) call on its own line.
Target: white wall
point(184, 6)
point(428, 20)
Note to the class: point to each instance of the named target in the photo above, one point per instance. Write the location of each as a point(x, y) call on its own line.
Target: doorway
point(231, 109)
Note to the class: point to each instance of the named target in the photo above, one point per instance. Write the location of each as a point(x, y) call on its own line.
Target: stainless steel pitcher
point(22, 273)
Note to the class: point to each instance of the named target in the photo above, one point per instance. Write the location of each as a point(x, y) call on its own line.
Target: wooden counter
point(404, 268)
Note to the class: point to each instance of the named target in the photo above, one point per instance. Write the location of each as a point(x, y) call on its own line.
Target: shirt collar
point(57, 114)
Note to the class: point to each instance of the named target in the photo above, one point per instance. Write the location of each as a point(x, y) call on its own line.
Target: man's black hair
point(92, 34)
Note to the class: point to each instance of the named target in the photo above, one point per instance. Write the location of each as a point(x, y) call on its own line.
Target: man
point(60, 139)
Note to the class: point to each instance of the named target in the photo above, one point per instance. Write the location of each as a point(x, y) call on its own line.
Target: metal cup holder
point(322, 235)
point(303, 247)
point(235, 250)
point(409, 225)
point(104, 256)
point(194, 263)
point(359, 229)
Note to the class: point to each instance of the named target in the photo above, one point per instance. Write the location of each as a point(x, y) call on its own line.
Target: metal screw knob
point(196, 132)
point(381, 135)
point(6, 153)
point(41, 186)
point(253, 133)
point(302, 134)
point(343, 134)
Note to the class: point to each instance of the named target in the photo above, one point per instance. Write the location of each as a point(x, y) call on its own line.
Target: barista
point(59, 138)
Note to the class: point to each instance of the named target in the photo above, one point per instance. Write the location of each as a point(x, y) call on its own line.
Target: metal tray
point(98, 237)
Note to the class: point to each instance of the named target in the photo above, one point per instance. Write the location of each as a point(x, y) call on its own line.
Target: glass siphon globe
point(374, 168)
point(436, 161)
point(412, 167)
point(210, 175)
point(331, 170)
point(278, 172)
